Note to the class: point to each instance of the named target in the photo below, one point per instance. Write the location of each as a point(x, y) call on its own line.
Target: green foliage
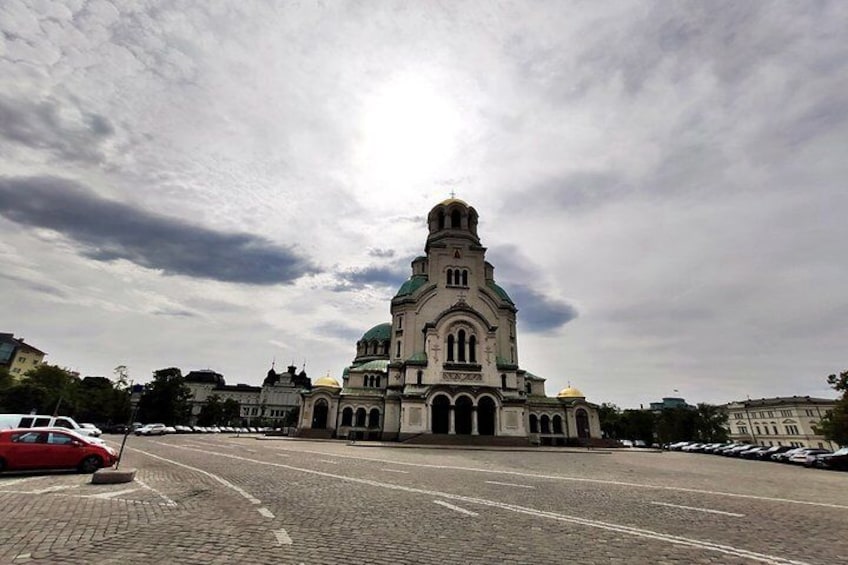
point(610, 419)
point(231, 411)
point(211, 413)
point(292, 417)
point(166, 399)
point(638, 424)
point(6, 379)
point(711, 423)
point(834, 424)
point(672, 424)
point(102, 402)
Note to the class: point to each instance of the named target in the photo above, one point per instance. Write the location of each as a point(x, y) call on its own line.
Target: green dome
point(409, 287)
point(499, 291)
point(379, 332)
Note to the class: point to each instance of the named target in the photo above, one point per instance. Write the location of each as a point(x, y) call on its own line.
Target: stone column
point(474, 421)
point(452, 426)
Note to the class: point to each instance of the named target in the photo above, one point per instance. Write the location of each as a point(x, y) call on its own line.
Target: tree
point(101, 402)
point(675, 424)
point(638, 424)
point(6, 379)
point(211, 413)
point(60, 386)
point(610, 419)
point(834, 424)
point(711, 423)
point(167, 399)
point(231, 411)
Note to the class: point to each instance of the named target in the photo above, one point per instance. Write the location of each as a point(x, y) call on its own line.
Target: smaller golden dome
point(452, 200)
point(327, 381)
point(570, 392)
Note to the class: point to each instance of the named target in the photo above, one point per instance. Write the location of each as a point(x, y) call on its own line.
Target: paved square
point(221, 499)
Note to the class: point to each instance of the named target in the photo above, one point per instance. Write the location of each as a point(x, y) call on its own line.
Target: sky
point(220, 185)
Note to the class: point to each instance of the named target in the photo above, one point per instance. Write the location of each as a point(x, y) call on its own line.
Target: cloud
point(48, 125)
point(381, 253)
point(340, 330)
point(106, 231)
point(386, 276)
point(540, 313)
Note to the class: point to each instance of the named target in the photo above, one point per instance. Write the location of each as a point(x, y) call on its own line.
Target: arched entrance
point(360, 417)
point(462, 415)
point(534, 424)
point(440, 418)
point(486, 416)
point(582, 424)
point(374, 418)
point(546, 424)
point(319, 414)
point(557, 421)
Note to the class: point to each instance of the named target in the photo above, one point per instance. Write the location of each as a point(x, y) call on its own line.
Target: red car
point(24, 449)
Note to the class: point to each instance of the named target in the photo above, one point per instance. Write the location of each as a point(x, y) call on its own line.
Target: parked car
point(26, 448)
point(784, 457)
point(766, 454)
point(802, 457)
point(13, 421)
point(93, 430)
point(151, 430)
point(753, 452)
point(838, 460)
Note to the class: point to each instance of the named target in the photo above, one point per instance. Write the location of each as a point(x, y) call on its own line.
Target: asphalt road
point(221, 499)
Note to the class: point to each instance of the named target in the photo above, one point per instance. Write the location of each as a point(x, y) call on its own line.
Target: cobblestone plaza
point(220, 499)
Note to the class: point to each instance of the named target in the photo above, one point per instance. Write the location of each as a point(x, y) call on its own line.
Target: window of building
point(738, 416)
point(775, 430)
point(419, 377)
point(758, 429)
point(792, 430)
point(397, 352)
point(503, 382)
point(21, 359)
point(400, 322)
point(770, 414)
point(450, 277)
point(786, 413)
point(809, 412)
point(743, 430)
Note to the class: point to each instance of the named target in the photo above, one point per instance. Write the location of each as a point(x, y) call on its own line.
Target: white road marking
point(265, 512)
point(17, 481)
point(457, 508)
point(509, 484)
point(574, 479)
point(618, 528)
point(395, 471)
point(167, 500)
point(111, 494)
point(221, 480)
point(23, 556)
point(327, 461)
point(282, 537)
point(722, 512)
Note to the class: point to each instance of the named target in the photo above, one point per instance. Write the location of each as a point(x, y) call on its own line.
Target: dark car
point(25, 449)
point(837, 461)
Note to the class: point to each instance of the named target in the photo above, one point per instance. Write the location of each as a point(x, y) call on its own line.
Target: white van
point(10, 421)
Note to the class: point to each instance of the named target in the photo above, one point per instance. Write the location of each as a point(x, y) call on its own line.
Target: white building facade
point(788, 420)
point(447, 363)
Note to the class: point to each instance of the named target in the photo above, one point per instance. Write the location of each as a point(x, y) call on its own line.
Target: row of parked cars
point(162, 429)
point(807, 456)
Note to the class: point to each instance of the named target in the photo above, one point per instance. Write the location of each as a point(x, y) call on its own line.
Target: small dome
point(450, 201)
point(327, 381)
point(379, 332)
point(570, 392)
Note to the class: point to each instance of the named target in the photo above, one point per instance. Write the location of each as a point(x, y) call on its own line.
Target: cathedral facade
point(447, 363)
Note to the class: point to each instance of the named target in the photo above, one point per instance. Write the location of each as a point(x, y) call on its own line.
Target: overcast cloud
point(661, 186)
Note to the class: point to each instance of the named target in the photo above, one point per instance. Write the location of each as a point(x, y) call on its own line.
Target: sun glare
point(409, 130)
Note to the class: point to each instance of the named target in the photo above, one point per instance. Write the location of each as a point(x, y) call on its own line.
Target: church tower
point(454, 347)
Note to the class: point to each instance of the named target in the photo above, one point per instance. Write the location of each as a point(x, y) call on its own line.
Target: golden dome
point(452, 200)
point(570, 392)
point(327, 381)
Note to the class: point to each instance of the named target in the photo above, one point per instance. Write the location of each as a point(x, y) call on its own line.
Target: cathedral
point(447, 364)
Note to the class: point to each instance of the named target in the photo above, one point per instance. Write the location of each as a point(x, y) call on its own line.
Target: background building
point(273, 402)
point(447, 364)
point(17, 356)
point(788, 420)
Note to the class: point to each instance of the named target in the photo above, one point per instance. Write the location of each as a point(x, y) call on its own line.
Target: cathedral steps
point(460, 440)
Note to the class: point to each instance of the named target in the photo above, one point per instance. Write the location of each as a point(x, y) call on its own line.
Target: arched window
point(420, 376)
point(441, 220)
point(464, 278)
point(527, 387)
point(385, 348)
point(374, 418)
point(397, 354)
point(450, 277)
point(378, 381)
point(347, 416)
point(456, 219)
point(461, 346)
point(503, 382)
point(472, 349)
point(450, 347)
point(557, 421)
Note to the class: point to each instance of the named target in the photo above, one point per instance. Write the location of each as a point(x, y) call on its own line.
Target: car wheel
point(2, 464)
point(90, 464)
